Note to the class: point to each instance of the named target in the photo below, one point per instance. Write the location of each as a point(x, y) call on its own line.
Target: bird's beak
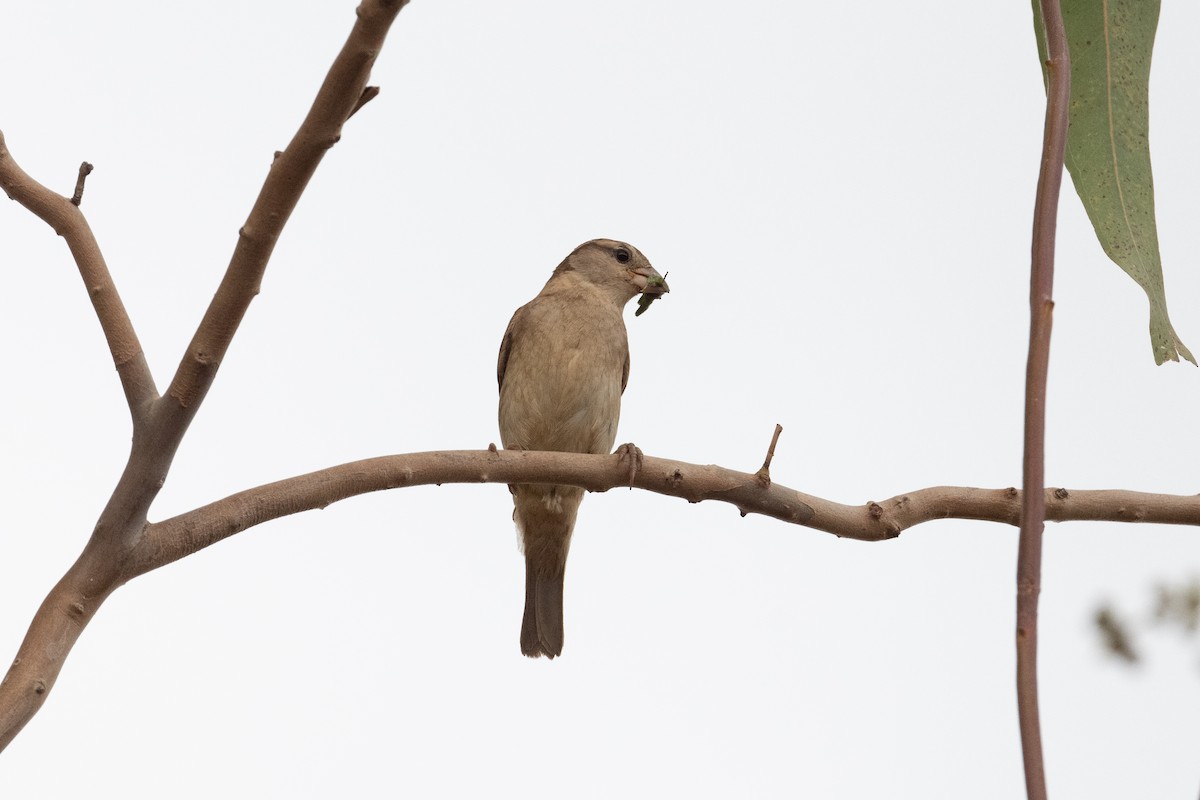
point(649, 281)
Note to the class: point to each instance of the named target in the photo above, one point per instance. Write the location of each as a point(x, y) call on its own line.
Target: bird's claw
point(633, 454)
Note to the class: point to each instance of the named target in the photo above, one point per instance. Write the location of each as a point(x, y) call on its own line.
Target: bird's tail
point(545, 517)
point(542, 625)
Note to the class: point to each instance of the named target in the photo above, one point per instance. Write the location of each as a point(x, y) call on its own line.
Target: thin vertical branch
point(1041, 308)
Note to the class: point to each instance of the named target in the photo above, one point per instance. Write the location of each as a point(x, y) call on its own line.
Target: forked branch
point(117, 542)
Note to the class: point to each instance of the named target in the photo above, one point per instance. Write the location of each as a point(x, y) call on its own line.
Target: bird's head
point(619, 269)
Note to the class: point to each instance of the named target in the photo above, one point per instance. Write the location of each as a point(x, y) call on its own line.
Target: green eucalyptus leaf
point(1108, 144)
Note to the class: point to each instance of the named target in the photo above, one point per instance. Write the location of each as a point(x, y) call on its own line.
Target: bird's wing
point(506, 344)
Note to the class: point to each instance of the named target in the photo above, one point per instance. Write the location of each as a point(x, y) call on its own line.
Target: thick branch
point(64, 216)
point(172, 539)
point(54, 630)
point(340, 96)
point(116, 546)
point(73, 602)
point(1041, 308)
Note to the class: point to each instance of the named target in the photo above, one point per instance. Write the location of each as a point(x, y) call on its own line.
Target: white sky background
point(842, 194)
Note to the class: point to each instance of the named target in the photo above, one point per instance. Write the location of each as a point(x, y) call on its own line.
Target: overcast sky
point(842, 194)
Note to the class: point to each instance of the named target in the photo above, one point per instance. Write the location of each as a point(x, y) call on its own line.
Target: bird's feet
point(633, 454)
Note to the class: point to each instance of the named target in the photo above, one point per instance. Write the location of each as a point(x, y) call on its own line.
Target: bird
point(563, 366)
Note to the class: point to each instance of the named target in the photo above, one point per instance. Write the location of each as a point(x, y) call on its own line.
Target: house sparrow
point(563, 366)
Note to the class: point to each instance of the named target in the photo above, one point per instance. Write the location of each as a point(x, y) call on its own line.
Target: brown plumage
point(564, 362)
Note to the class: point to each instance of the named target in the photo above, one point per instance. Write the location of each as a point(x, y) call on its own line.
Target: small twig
point(369, 93)
point(85, 169)
point(764, 472)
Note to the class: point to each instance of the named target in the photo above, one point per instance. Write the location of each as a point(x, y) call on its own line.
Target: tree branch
point(341, 94)
point(65, 217)
point(73, 602)
point(1041, 307)
point(85, 169)
point(116, 544)
point(172, 539)
point(54, 630)
point(764, 472)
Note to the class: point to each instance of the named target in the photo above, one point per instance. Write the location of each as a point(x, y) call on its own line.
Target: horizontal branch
point(64, 216)
point(172, 539)
point(73, 602)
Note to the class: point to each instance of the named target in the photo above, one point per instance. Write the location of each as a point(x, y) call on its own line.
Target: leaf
point(1108, 143)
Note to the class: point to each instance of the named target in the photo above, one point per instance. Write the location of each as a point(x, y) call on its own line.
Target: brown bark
point(1041, 312)
point(160, 422)
point(124, 544)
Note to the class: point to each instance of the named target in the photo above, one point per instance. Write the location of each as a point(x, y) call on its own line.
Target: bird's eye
point(622, 255)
